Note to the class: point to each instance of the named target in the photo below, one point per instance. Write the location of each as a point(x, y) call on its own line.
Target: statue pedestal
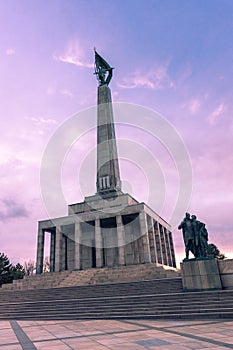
point(200, 274)
point(226, 273)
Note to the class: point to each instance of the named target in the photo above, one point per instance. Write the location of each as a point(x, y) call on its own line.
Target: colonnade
point(118, 240)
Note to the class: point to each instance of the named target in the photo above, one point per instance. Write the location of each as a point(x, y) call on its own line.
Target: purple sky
point(173, 57)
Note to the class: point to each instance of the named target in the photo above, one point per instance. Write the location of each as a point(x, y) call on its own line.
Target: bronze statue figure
point(195, 236)
point(103, 70)
point(188, 235)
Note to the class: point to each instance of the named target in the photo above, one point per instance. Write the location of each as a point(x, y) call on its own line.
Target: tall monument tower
point(108, 173)
point(110, 228)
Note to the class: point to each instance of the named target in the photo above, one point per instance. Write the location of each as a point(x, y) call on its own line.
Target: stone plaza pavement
point(113, 334)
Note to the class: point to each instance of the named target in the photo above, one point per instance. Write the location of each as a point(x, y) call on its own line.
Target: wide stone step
point(163, 285)
point(119, 307)
point(76, 295)
point(165, 299)
point(111, 313)
point(114, 302)
point(188, 314)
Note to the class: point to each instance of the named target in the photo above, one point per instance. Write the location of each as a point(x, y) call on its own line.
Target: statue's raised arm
point(103, 70)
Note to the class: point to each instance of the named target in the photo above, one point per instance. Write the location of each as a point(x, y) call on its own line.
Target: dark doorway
point(104, 254)
point(110, 244)
point(65, 252)
point(93, 254)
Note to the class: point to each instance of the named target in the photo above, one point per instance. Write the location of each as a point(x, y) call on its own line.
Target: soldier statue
point(195, 236)
point(188, 236)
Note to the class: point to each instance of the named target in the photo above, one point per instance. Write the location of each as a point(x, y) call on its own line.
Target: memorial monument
point(202, 271)
point(110, 228)
point(195, 236)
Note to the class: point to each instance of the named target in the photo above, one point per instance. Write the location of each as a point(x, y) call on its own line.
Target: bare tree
point(30, 267)
point(46, 264)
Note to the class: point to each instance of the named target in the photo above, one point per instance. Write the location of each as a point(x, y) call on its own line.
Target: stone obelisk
point(108, 174)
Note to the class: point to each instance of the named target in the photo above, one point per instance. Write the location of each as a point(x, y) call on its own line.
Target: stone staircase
point(118, 274)
point(93, 276)
point(158, 299)
point(137, 291)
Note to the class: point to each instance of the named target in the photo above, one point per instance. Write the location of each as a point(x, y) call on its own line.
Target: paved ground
point(123, 335)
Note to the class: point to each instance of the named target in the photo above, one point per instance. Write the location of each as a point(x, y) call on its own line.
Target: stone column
point(164, 250)
point(58, 249)
point(40, 251)
point(77, 242)
point(121, 239)
point(64, 255)
point(98, 244)
point(160, 251)
point(52, 251)
point(169, 254)
point(152, 240)
point(145, 237)
point(172, 249)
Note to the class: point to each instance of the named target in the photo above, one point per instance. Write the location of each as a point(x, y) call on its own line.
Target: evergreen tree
point(17, 272)
point(9, 272)
point(215, 252)
point(5, 269)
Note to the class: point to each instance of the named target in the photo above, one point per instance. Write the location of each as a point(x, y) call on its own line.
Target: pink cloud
point(40, 120)
point(74, 54)
point(194, 105)
point(217, 112)
point(156, 78)
point(10, 52)
point(66, 92)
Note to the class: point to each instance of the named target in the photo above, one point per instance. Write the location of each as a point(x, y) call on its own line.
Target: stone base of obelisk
point(200, 274)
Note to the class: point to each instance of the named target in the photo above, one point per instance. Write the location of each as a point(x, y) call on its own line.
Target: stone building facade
point(92, 236)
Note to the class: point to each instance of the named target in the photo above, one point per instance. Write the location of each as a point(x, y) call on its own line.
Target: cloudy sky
point(172, 57)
